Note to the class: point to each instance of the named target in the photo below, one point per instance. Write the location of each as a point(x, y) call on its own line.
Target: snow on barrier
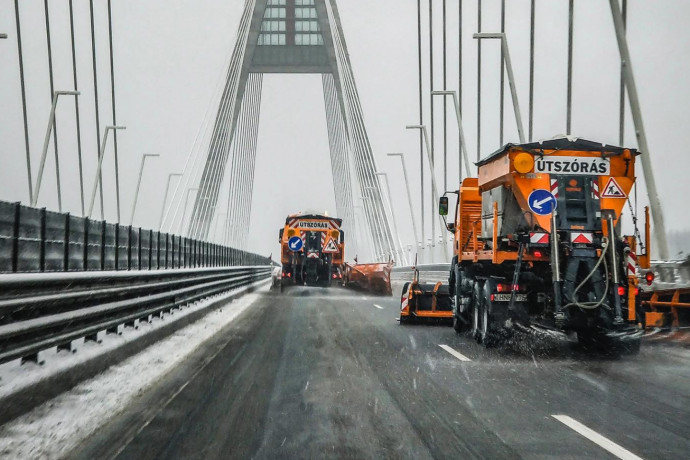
point(64, 278)
point(40, 311)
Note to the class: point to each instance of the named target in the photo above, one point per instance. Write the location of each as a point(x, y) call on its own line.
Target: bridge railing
point(38, 240)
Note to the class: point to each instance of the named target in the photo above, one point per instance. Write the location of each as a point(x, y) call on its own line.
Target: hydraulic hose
point(593, 305)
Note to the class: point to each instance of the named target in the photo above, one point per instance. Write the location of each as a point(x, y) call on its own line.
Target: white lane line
point(378, 306)
point(455, 353)
point(596, 438)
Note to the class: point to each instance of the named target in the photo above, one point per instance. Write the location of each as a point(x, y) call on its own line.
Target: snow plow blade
point(422, 300)
point(375, 278)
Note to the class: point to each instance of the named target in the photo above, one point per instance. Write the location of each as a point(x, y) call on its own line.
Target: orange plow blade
point(375, 277)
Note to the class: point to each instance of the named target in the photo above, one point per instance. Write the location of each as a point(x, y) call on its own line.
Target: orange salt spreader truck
point(538, 242)
point(312, 250)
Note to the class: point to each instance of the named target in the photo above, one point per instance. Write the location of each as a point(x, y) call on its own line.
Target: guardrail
point(64, 277)
point(40, 311)
point(37, 240)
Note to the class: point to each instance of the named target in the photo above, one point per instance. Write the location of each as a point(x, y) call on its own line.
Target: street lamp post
point(100, 165)
point(409, 194)
point(141, 173)
point(401, 253)
point(215, 229)
point(46, 142)
point(434, 188)
point(636, 110)
point(511, 78)
point(184, 210)
point(165, 198)
point(364, 209)
point(463, 145)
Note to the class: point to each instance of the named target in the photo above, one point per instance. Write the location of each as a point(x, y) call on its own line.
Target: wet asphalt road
point(328, 373)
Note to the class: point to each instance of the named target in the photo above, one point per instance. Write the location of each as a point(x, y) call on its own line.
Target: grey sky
point(169, 55)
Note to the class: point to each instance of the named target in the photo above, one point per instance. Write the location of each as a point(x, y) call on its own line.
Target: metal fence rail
point(39, 311)
point(37, 240)
point(64, 278)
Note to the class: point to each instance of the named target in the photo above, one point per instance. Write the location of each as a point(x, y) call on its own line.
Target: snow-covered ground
point(53, 429)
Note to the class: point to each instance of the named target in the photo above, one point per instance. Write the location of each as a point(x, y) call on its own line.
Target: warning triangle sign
point(613, 190)
point(331, 246)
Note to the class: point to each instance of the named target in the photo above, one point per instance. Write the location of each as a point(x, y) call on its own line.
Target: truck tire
point(329, 276)
point(477, 300)
point(452, 275)
point(404, 319)
point(458, 325)
point(487, 330)
point(461, 319)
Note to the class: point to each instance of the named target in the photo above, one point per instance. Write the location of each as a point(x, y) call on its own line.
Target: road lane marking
point(455, 353)
point(596, 438)
point(378, 306)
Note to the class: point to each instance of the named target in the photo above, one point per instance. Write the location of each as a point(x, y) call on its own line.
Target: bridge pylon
point(290, 37)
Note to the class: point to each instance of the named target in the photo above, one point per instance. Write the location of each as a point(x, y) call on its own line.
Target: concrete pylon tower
point(290, 36)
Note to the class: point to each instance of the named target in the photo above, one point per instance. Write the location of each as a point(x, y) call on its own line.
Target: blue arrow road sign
point(295, 243)
point(542, 202)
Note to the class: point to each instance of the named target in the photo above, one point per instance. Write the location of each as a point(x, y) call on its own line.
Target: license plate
point(506, 297)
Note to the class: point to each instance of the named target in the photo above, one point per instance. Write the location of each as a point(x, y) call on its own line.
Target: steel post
point(511, 78)
point(463, 145)
point(184, 210)
point(395, 221)
point(633, 99)
point(409, 193)
point(136, 193)
point(101, 153)
point(23, 93)
point(569, 103)
point(165, 198)
point(531, 71)
point(434, 188)
point(46, 142)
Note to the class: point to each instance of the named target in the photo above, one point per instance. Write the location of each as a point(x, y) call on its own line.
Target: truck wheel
point(458, 324)
point(477, 300)
point(461, 319)
point(404, 293)
point(486, 330)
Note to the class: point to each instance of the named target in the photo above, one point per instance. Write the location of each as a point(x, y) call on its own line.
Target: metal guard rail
point(37, 240)
point(40, 311)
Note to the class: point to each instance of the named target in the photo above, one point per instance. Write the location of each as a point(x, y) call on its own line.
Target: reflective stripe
point(631, 264)
point(539, 238)
point(581, 237)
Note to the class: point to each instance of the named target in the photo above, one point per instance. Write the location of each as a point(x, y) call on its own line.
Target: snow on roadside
point(53, 429)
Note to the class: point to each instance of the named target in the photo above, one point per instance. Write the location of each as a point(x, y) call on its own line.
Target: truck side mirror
point(443, 206)
point(280, 234)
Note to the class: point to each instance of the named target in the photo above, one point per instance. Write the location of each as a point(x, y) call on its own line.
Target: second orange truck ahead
point(312, 250)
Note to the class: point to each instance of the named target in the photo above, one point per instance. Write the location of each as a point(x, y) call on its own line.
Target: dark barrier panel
point(123, 248)
point(109, 248)
point(145, 249)
point(94, 247)
point(36, 240)
point(134, 246)
point(7, 221)
point(75, 246)
point(54, 243)
point(29, 251)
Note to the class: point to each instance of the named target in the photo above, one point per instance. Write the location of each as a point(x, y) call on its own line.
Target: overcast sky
point(170, 54)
